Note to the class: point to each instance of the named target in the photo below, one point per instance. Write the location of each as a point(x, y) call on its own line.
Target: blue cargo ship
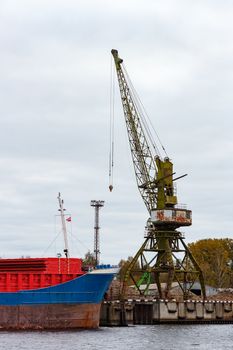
point(69, 305)
point(51, 293)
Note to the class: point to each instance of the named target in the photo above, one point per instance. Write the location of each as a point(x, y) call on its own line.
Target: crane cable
point(111, 126)
point(144, 117)
point(146, 121)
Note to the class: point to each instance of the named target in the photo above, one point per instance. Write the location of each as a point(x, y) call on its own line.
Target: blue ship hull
point(73, 304)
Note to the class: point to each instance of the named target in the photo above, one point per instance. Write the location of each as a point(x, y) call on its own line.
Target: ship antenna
point(63, 223)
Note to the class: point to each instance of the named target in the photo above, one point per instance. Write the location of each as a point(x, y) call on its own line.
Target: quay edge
point(145, 312)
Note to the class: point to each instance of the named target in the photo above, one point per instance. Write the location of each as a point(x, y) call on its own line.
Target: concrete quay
point(132, 312)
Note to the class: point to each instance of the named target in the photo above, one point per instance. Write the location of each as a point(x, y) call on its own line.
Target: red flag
point(68, 219)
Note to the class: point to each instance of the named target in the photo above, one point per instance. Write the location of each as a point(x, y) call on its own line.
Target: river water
point(162, 337)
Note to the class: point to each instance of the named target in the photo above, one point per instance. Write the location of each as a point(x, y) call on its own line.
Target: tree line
point(215, 258)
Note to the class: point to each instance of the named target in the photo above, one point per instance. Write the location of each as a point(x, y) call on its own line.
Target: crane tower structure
point(163, 257)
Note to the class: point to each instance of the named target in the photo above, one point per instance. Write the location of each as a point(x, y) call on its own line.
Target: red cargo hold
point(33, 273)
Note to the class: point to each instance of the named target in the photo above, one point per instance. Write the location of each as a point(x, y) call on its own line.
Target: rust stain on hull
point(49, 317)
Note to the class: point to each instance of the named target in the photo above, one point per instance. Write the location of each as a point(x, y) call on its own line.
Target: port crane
point(164, 257)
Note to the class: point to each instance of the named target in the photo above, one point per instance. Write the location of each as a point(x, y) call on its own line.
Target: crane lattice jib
point(143, 161)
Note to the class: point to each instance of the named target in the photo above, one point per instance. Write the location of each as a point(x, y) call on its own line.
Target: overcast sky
point(55, 65)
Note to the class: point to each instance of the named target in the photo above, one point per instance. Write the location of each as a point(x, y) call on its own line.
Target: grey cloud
point(54, 116)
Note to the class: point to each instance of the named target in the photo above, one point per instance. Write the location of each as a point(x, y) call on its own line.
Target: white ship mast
point(63, 223)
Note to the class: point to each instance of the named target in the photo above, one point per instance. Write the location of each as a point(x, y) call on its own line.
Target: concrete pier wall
point(116, 313)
